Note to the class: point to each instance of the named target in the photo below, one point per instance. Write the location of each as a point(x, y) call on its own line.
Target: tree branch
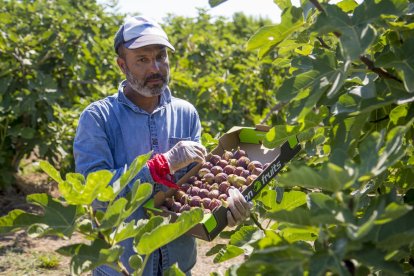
point(274, 109)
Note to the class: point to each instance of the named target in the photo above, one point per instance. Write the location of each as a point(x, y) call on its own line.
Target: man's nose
point(155, 65)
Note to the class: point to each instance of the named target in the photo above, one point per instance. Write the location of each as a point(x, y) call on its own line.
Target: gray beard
point(140, 88)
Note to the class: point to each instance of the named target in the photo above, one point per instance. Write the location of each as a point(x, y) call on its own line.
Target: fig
point(224, 186)
point(193, 191)
point(233, 162)
point(265, 165)
point(257, 171)
point(192, 179)
point(185, 207)
point(238, 170)
point(184, 187)
point(184, 199)
point(209, 178)
point(227, 155)
point(232, 179)
point(216, 169)
point(179, 194)
point(207, 165)
point(169, 202)
point(197, 183)
point(214, 204)
point(214, 159)
point(203, 193)
point(222, 197)
point(245, 173)
point(254, 164)
point(240, 181)
point(214, 186)
point(250, 179)
point(239, 153)
point(205, 202)
point(243, 162)
point(222, 163)
point(213, 194)
point(195, 201)
point(229, 169)
point(220, 177)
point(176, 207)
point(203, 172)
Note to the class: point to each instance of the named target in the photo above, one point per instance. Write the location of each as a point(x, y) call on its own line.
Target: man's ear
point(121, 64)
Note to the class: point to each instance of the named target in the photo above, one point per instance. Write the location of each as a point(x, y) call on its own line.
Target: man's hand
point(239, 208)
point(183, 154)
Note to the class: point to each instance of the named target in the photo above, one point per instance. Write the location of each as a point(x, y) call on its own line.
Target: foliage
point(103, 227)
point(53, 55)
point(212, 70)
point(346, 206)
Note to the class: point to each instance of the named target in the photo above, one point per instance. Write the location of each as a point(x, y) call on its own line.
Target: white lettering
point(271, 173)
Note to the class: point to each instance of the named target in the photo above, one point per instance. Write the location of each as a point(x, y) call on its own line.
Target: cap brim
point(148, 40)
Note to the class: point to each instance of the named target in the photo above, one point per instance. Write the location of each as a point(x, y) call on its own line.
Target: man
point(141, 117)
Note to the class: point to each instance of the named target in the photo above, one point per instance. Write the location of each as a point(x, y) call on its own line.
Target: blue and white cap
point(139, 31)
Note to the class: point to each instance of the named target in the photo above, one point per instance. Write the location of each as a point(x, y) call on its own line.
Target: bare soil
point(22, 255)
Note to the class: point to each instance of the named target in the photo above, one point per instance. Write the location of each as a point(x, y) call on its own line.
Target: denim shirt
point(112, 132)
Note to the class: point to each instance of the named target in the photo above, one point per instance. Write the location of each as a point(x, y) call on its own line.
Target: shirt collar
point(165, 99)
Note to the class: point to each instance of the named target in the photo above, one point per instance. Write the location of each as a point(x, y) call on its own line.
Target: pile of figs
point(209, 188)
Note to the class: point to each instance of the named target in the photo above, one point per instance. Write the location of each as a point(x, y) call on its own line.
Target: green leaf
point(299, 216)
point(147, 226)
point(114, 214)
point(139, 194)
point(398, 113)
point(295, 234)
point(269, 36)
point(347, 5)
point(51, 171)
point(283, 4)
point(377, 155)
point(246, 235)
point(164, 234)
point(371, 256)
point(392, 212)
point(57, 220)
point(215, 3)
point(173, 270)
point(371, 10)
point(290, 201)
point(322, 262)
point(402, 59)
point(323, 208)
point(330, 177)
point(227, 253)
point(129, 174)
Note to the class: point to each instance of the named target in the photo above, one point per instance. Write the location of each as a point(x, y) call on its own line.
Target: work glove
point(239, 208)
point(183, 154)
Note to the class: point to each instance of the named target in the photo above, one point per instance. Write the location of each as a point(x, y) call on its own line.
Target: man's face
point(147, 69)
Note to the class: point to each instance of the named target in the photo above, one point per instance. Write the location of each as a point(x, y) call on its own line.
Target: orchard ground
point(22, 255)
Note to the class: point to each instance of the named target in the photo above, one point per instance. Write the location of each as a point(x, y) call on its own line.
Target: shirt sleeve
point(92, 152)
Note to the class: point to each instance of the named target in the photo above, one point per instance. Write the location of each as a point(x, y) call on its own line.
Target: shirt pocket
point(172, 141)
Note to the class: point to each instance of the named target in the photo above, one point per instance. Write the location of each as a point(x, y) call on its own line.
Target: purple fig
point(209, 178)
point(243, 162)
point(202, 172)
point(224, 186)
point(193, 191)
point(257, 171)
point(184, 199)
point(222, 163)
point(214, 186)
point(197, 183)
point(254, 164)
point(207, 165)
point(245, 173)
point(192, 179)
point(222, 197)
point(195, 201)
point(203, 193)
point(239, 153)
point(169, 202)
point(229, 169)
point(185, 207)
point(176, 207)
point(205, 202)
point(227, 155)
point(220, 177)
point(216, 169)
point(214, 204)
point(184, 187)
point(214, 159)
point(213, 194)
point(238, 170)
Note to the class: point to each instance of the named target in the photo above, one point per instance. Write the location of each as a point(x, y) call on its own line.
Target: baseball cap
point(140, 31)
